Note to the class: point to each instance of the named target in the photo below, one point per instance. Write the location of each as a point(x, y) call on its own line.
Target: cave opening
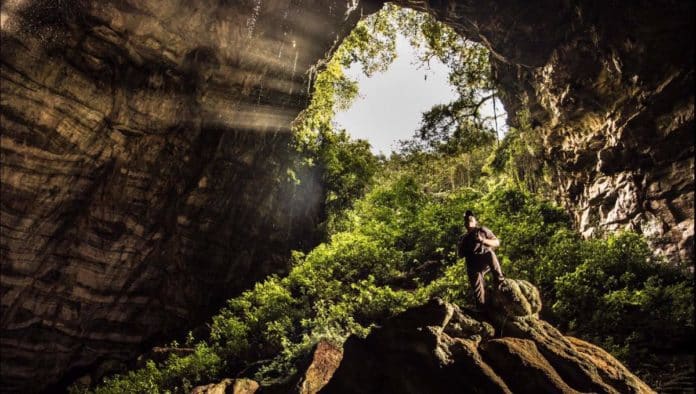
point(406, 78)
point(391, 102)
point(149, 173)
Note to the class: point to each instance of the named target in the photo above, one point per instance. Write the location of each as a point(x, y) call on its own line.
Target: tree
point(346, 165)
point(458, 126)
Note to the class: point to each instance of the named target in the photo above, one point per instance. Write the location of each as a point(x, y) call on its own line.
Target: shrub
point(626, 300)
point(176, 375)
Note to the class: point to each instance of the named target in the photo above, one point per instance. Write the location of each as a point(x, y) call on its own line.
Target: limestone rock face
point(439, 347)
point(144, 168)
point(144, 149)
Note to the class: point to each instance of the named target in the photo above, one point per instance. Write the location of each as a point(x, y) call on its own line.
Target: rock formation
point(144, 149)
point(325, 359)
point(314, 374)
point(228, 386)
point(144, 168)
point(440, 348)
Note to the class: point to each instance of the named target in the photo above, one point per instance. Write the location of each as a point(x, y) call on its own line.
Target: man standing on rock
point(476, 246)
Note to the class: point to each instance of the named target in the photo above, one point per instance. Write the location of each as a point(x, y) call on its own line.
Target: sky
point(391, 103)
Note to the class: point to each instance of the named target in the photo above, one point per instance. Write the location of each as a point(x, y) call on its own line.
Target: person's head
point(469, 220)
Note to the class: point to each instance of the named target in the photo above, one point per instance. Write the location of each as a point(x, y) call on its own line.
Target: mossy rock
point(514, 298)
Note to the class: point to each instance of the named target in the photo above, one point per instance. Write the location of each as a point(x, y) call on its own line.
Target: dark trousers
point(476, 270)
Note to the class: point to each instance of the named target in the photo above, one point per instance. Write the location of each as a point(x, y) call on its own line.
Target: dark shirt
point(471, 248)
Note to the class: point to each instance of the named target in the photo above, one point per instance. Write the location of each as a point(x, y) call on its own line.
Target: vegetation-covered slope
point(610, 291)
point(391, 230)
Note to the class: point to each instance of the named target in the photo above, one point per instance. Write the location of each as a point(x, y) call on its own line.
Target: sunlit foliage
point(393, 227)
point(459, 125)
point(520, 156)
point(610, 291)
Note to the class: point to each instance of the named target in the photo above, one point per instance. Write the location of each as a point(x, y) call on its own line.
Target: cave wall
point(144, 148)
point(144, 168)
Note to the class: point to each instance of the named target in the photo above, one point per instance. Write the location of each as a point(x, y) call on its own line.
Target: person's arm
point(487, 238)
point(492, 242)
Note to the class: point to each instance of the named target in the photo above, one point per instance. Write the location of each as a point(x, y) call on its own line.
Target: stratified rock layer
point(144, 148)
point(438, 348)
point(144, 168)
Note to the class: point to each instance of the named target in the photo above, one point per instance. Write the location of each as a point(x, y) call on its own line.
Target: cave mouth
point(391, 102)
point(121, 220)
point(404, 77)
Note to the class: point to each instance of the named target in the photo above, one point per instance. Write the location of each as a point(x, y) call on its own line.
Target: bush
point(351, 282)
point(626, 300)
point(177, 374)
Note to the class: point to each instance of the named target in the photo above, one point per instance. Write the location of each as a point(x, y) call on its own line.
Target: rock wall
point(144, 148)
point(144, 159)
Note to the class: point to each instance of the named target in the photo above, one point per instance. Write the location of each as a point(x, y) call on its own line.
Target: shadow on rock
point(439, 347)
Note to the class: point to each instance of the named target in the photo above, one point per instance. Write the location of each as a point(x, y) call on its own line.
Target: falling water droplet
point(251, 22)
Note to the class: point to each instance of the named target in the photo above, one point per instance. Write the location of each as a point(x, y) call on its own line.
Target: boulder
point(438, 348)
point(228, 386)
point(326, 358)
point(514, 298)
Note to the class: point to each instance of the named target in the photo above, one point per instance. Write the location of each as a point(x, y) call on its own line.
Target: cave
point(144, 148)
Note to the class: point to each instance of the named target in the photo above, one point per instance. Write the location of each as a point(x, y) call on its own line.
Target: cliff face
point(144, 168)
point(144, 148)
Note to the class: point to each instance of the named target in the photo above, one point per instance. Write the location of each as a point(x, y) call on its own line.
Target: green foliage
point(254, 325)
point(452, 128)
point(349, 283)
point(355, 280)
point(527, 225)
point(372, 44)
point(347, 167)
point(337, 289)
point(458, 126)
point(519, 157)
point(626, 300)
point(176, 375)
point(437, 172)
point(388, 217)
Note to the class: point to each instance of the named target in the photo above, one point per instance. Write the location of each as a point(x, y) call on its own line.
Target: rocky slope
point(144, 148)
point(438, 347)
